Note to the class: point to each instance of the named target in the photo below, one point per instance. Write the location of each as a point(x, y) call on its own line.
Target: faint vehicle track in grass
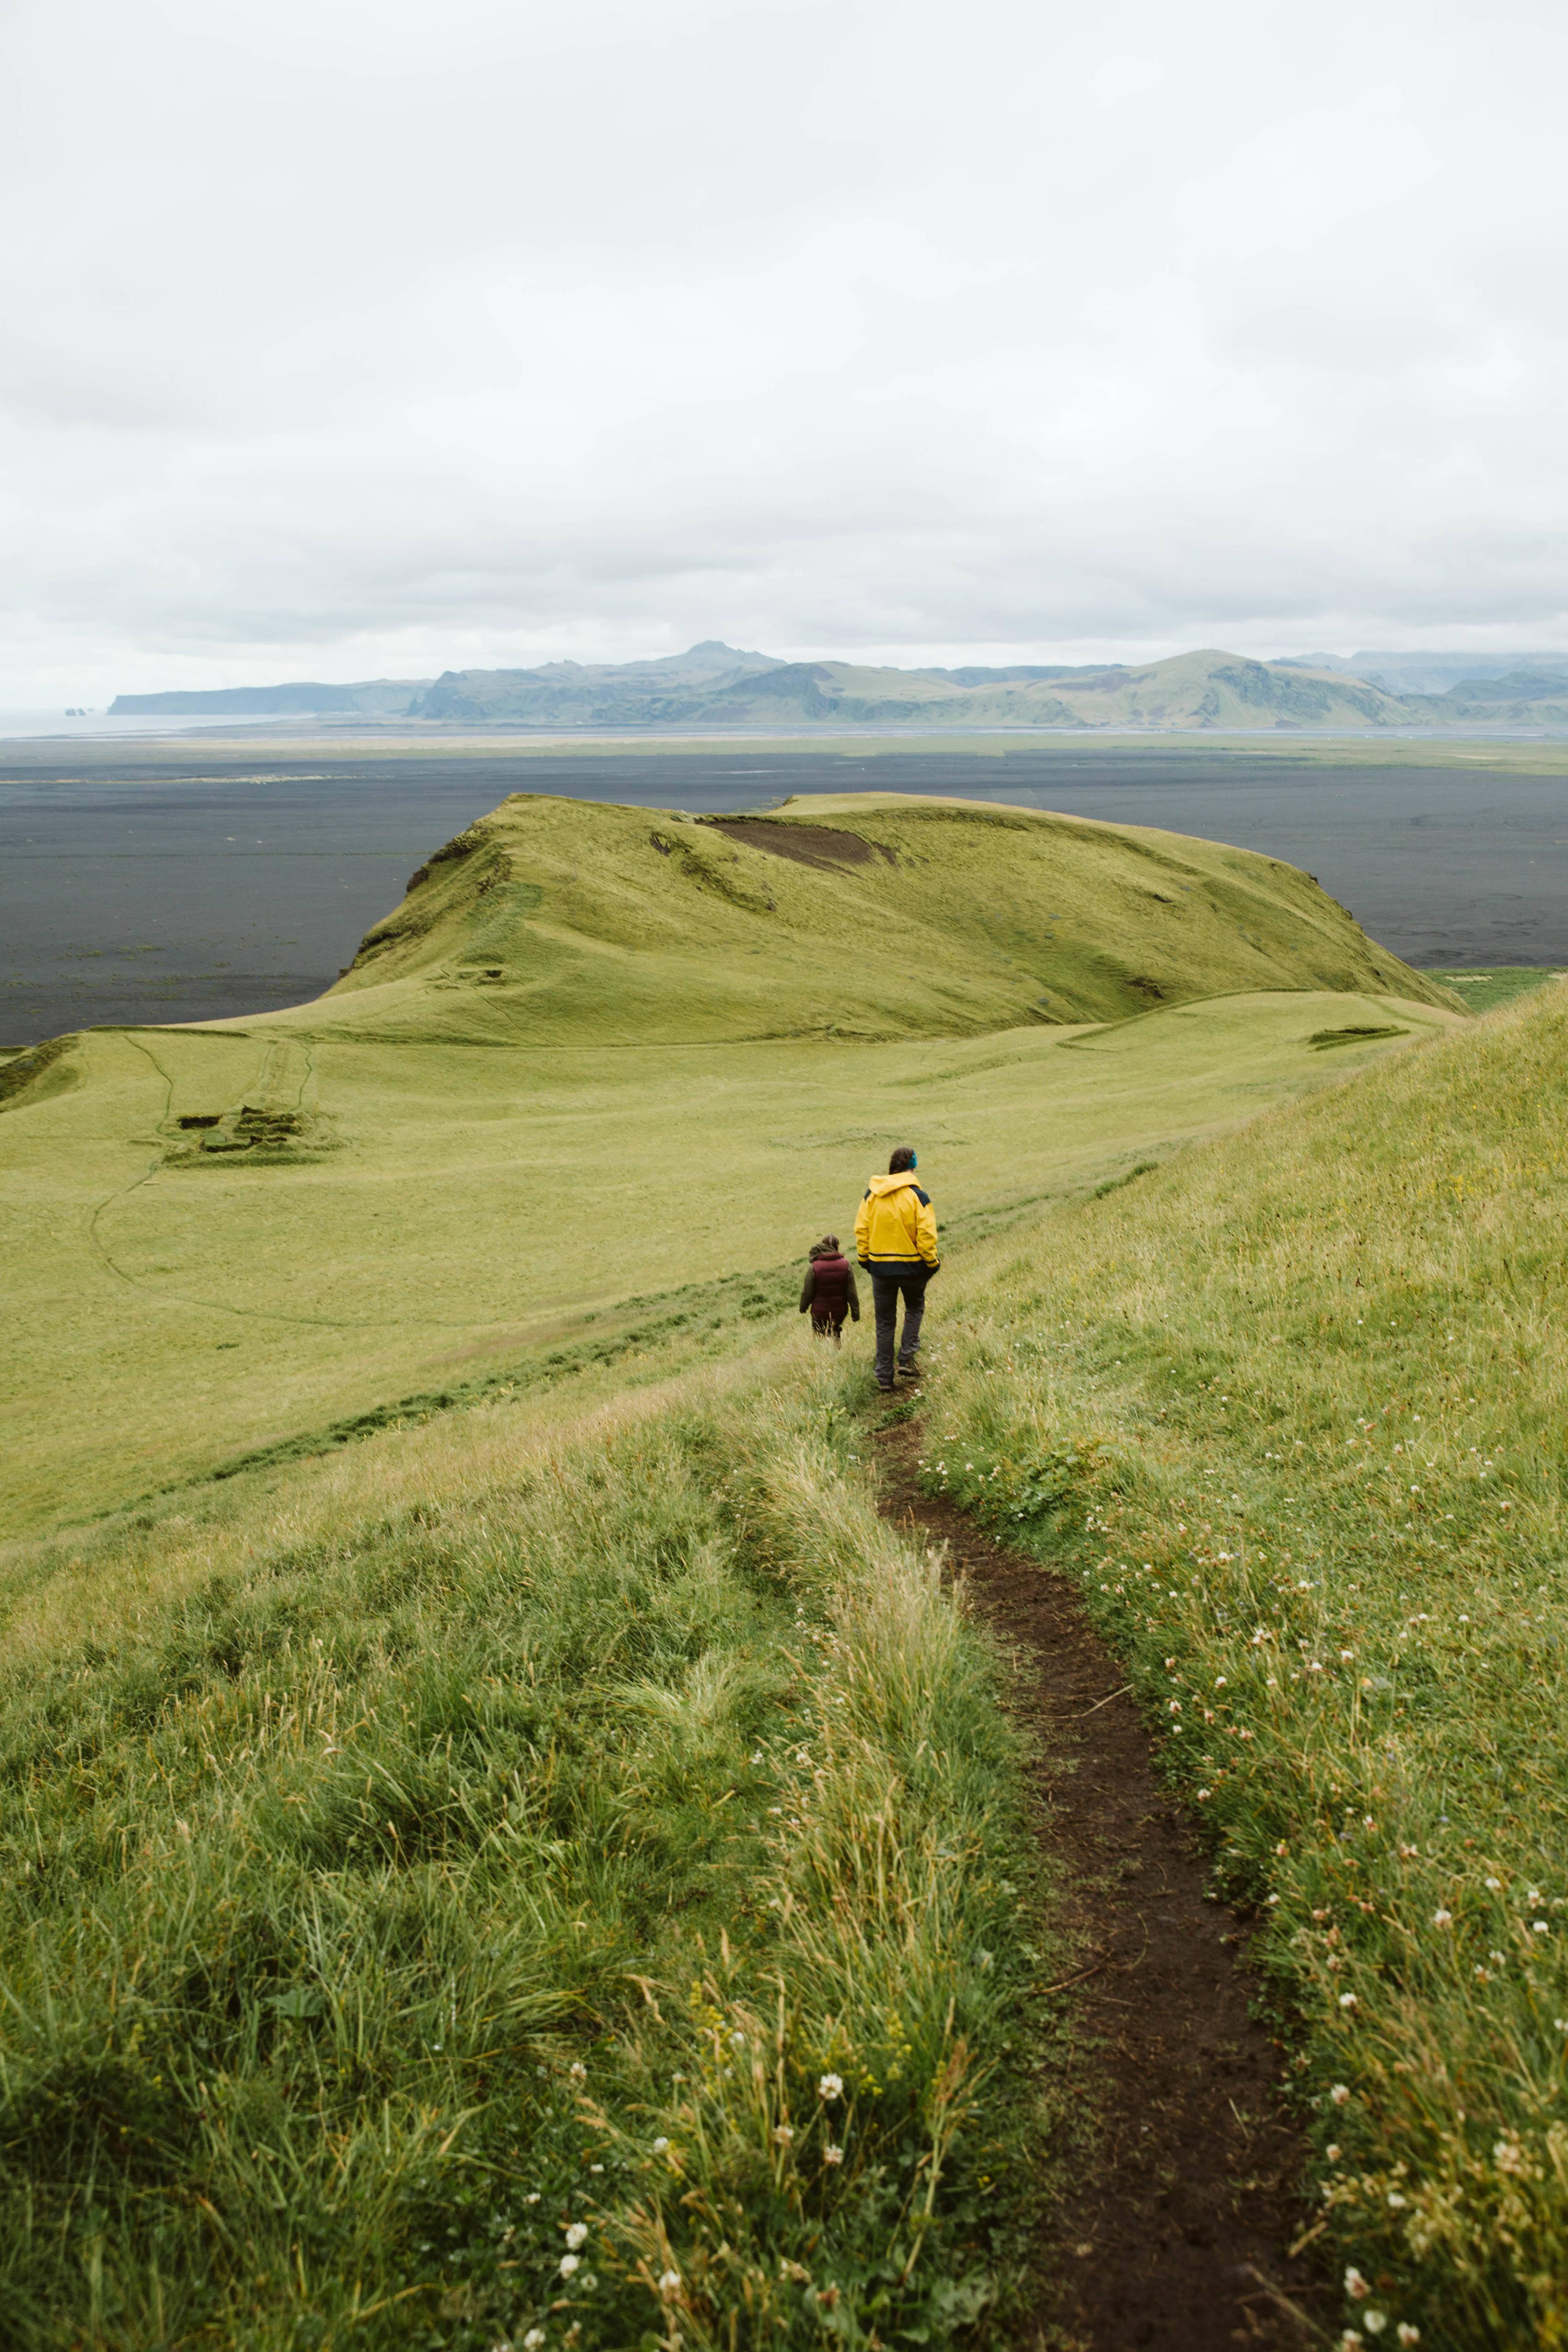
point(1179, 2237)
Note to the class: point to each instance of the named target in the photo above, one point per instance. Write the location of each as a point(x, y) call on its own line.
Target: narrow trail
point(1179, 2239)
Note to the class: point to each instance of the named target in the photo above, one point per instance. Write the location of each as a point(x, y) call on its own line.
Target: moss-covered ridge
point(563, 922)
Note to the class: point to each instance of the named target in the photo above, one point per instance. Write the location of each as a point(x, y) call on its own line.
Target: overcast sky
point(341, 339)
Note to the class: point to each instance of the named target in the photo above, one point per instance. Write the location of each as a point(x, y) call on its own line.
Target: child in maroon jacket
point(829, 1291)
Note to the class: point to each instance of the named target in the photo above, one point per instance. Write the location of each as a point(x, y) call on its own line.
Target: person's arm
point(808, 1289)
point(854, 1299)
point(925, 1231)
point(862, 1228)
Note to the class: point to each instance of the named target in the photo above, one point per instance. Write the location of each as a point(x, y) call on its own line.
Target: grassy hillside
point(563, 922)
point(438, 1215)
point(502, 1884)
point(452, 1164)
point(1292, 1410)
point(556, 1874)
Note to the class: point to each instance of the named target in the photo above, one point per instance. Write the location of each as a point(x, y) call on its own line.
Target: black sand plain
point(190, 883)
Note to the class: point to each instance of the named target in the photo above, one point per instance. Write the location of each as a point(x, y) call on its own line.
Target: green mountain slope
point(566, 1866)
point(714, 686)
point(1291, 1411)
point(382, 1220)
point(598, 1053)
point(1188, 690)
point(564, 922)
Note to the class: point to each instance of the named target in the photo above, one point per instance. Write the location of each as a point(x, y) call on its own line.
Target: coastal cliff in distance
point(385, 697)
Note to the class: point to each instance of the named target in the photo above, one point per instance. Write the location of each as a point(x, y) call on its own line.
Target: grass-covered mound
point(506, 1883)
point(599, 1055)
point(440, 1216)
point(557, 923)
point(1292, 1408)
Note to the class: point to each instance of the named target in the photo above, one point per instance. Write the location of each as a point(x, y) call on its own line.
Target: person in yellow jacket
point(895, 1241)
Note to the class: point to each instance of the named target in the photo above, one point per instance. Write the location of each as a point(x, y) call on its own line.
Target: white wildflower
point(833, 2156)
point(1356, 2286)
point(576, 2234)
point(533, 2339)
point(1339, 2094)
point(1374, 2322)
point(1441, 1918)
point(830, 2086)
point(1347, 2001)
point(669, 2282)
point(660, 2145)
point(1407, 2335)
point(577, 2070)
point(569, 2263)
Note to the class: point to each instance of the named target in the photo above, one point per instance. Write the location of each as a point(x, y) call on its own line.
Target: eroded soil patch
point(808, 844)
point(1179, 2239)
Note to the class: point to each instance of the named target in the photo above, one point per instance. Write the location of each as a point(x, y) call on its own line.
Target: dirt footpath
point(1180, 2241)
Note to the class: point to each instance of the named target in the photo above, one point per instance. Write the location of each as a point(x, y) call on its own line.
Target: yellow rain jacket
point(896, 1224)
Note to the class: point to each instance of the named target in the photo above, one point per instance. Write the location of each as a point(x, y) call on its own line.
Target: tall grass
point(1293, 1411)
point(575, 1905)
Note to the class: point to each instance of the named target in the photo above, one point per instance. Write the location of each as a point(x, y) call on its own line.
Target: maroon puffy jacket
point(829, 1289)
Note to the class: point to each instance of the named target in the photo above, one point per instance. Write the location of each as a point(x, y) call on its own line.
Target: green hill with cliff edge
point(599, 1058)
point(561, 1874)
point(864, 915)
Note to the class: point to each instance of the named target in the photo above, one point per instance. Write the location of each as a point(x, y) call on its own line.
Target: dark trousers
point(829, 1326)
point(887, 1287)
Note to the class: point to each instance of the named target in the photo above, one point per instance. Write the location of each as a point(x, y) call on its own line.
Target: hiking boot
point(889, 1388)
point(908, 1371)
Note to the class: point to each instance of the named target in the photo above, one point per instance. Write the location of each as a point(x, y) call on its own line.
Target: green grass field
point(224, 1237)
point(1292, 1409)
point(1486, 991)
point(498, 1882)
point(558, 1874)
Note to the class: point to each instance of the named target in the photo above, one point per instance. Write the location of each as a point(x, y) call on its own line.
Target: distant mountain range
point(718, 685)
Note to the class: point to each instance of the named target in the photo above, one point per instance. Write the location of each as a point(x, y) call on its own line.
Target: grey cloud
point(393, 338)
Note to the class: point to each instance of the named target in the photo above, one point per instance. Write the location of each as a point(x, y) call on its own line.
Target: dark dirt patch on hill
point(1178, 2238)
point(808, 844)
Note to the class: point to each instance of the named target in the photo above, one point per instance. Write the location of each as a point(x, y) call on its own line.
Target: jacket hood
point(880, 1186)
